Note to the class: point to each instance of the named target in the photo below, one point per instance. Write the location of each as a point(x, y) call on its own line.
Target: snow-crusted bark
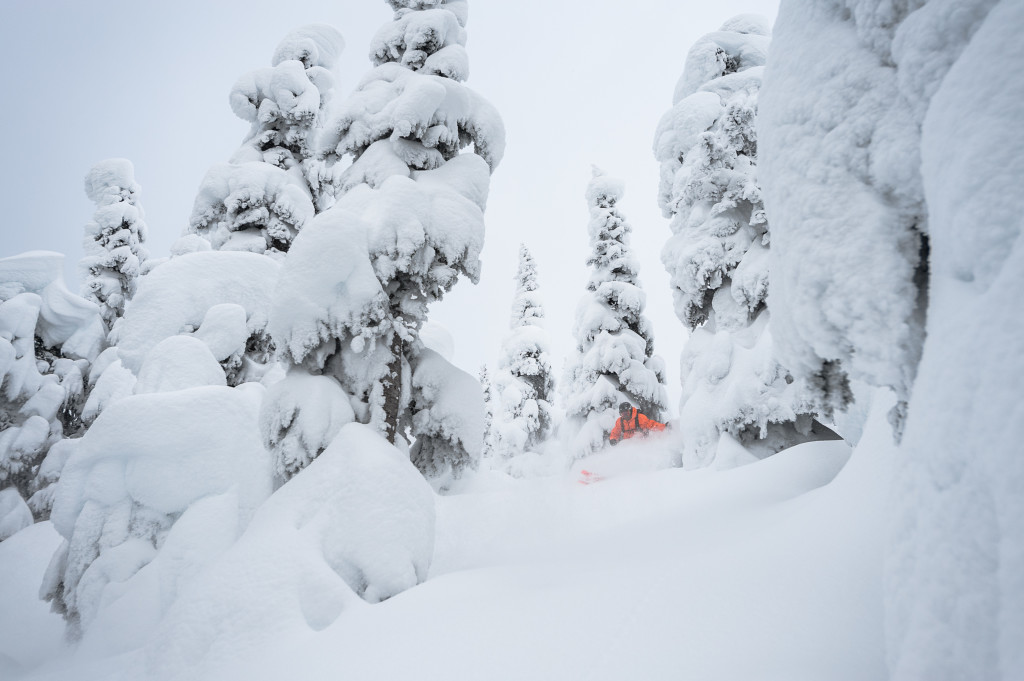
point(49, 338)
point(274, 183)
point(525, 384)
point(717, 256)
point(875, 116)
point(114, 254)
point(615, 358)
point(355, 288)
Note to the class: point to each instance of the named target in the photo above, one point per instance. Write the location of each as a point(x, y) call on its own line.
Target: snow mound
point(358, 520)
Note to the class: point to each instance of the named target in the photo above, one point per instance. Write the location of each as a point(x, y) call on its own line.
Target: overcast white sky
point(577, 83)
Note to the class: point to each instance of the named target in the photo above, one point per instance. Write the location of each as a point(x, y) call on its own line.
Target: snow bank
point(29, 633)
point(646, 576)
point(358, 520)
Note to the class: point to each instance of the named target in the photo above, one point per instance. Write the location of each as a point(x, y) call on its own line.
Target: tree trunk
point(393, 389)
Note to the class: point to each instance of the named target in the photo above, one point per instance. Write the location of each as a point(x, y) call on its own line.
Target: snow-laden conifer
point(893, 153)
point(615, 358)
point(484, 377)
point(274, 183)
point(114, 251)
point(718, 253)
point(525, 384)
point(355, 288)
point(49, 338)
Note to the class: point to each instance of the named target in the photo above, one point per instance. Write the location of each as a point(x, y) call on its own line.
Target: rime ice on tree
point(718, 253)
point(615, 358)
point(524, 383)
point(274, 183)
point(355, 287)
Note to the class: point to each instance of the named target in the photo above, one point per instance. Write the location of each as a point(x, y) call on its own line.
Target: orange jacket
point(634, 423)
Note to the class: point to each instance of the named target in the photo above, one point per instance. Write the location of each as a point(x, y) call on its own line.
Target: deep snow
point(766, 571)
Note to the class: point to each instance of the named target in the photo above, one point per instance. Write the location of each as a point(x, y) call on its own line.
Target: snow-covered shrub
point(114, 254)
point(717, 256)
point(893, 156)
point(525, 385)
point(356, 286)
point(274, 183)
point(615, 358)
point(140, 466)
point(48, 339)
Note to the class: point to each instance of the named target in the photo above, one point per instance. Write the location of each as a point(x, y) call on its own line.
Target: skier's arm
point(650, 424)
point(616, 433)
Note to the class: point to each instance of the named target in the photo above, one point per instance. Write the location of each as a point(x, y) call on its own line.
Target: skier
point(631, 422)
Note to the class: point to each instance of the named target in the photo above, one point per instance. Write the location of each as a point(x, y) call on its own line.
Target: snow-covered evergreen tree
point(114, 251)
point(484, 377)
point(49, 338)
point(718, 253)
point(274, 183)
point(355, 288)
point(525, 384)
point(893, 153)
point(615, 358)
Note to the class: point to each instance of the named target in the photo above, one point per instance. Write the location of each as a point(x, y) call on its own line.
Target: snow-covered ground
point(771, 570)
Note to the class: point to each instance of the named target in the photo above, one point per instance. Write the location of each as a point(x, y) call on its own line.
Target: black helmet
point(625, 407)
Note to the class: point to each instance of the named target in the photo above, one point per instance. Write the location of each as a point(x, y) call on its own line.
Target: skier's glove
point(614, 442)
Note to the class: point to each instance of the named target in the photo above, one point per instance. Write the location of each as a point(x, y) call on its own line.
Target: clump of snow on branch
point(114, 254)
point(615, 358)
point(254, 207)
point(300, 416)
point(717, 256)
point(524, 382)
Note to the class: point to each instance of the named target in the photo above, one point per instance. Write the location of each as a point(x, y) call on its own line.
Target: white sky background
point(577, 83)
